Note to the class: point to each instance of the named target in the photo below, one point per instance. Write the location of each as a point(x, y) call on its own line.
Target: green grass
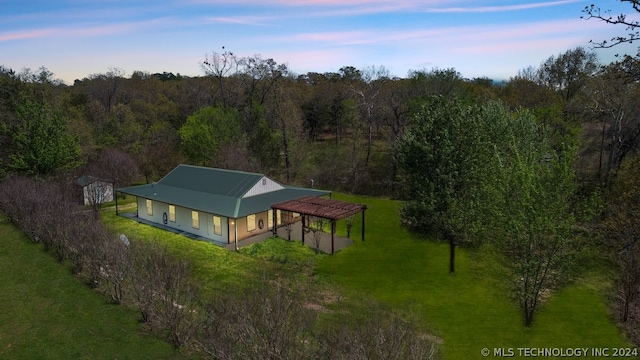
point(214, 268)
point(471, 309)
point(289, 253)
point(46, 313)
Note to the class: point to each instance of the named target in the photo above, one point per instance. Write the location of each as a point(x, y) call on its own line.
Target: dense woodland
point(336, 128)
point(540, 166)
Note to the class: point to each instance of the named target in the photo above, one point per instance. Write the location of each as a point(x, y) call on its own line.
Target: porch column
point(235, 230)
point(274, 219)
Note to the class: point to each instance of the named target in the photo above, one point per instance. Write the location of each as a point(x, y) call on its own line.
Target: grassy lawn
point(471, 309)
point(45, 313)
point(215, 268)
point(48, 314)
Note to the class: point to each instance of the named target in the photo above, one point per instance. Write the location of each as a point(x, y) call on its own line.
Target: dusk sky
point(493, 38)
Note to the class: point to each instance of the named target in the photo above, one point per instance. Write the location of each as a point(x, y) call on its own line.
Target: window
point(278, 217)
point(251, 222)
point(194, 220)
point(149, 207)
point(172, 213)
point(217, 225)
point(270, 219)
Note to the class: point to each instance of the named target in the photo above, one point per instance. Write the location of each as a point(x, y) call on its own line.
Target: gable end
point(264, 185)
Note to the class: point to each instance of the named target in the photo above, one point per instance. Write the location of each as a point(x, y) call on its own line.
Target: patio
point(296, 235)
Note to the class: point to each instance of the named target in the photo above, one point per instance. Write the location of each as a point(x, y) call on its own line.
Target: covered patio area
point(296, 235)
point(314, 207)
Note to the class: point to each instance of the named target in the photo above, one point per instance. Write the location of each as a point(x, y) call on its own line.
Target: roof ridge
point(219, 169)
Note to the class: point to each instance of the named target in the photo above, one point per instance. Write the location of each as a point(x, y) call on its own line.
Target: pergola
point(332, 210)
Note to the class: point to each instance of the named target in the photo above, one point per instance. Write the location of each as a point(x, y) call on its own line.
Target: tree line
point(338, 129)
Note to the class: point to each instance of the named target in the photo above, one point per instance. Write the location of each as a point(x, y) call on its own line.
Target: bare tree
point(373, 79)
point(115, 165)
point(594, 12)
point(163, 292)
point(316, 226)
point(265, 322)
point(379, 334)
point(221, 66)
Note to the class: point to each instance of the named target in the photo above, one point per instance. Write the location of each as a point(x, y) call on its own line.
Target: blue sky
point(76, 38)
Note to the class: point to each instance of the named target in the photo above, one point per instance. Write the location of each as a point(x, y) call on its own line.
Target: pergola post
point(116, 196)
point(302, 227)
point(333, 231)
point(363, 209)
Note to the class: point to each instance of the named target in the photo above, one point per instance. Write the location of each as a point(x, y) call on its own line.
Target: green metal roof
point(216, 191)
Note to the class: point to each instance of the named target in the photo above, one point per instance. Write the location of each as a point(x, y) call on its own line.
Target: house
point(223, 206)
point(94, 190)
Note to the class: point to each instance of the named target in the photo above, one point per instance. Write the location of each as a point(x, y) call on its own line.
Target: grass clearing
point(471, 309)
point(47, 314)
point(214, 268)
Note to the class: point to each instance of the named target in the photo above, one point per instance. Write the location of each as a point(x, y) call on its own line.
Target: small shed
point(94, 190)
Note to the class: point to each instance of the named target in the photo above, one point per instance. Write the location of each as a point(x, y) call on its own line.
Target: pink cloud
point(82, 31)
point(517, 7)
point(244, 20)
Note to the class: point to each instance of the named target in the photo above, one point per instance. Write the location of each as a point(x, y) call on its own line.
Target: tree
point(613, 101)
point(316, 226)
point(531, 187)
point(594, 12)
point(269, 321)
point(115, 165)
point(568, 72)
point(221, 66)
point(622, 231)
point(163, 291)
point(207, 131)
point(367, 92)
point(40, 142)
point(438, 158)
point(377, 333)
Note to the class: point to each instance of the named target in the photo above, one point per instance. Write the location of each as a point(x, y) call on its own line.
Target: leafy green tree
point(207, 131)
point(441, 170)
point(531, 189)
point(39, 140)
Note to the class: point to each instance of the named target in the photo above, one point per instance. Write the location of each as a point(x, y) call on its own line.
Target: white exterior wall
point(183, 220)
point(264, 185)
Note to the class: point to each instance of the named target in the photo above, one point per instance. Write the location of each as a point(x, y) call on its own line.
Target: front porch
point(296, 235)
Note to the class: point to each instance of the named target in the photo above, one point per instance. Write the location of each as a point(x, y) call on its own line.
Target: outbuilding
point(94, 190)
